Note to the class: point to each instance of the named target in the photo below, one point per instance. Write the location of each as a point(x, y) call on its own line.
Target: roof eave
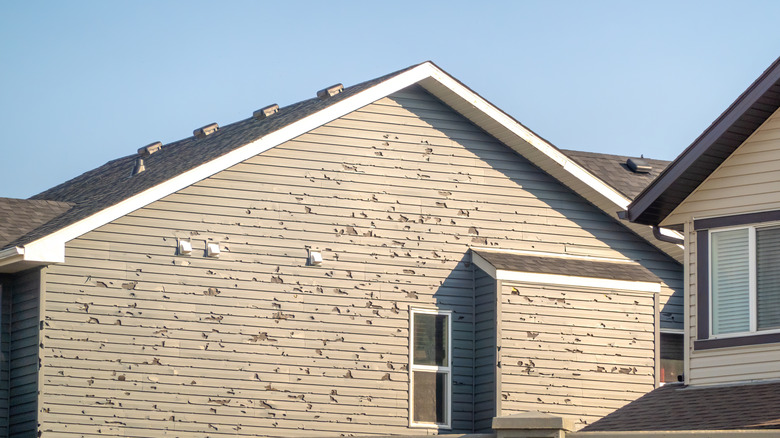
point(639, 211)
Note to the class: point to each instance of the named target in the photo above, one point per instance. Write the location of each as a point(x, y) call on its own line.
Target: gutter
point(658, 234)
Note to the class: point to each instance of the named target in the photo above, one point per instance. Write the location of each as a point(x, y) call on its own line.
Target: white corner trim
point(50, 248)
point(546, 148)
point(569, 280)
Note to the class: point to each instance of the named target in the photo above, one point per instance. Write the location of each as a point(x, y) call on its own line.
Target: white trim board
point(563, 280)
point(51, 248)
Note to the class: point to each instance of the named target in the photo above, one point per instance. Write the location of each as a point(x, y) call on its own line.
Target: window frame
point(752, 282)
point(703, 228)
point(431, 368)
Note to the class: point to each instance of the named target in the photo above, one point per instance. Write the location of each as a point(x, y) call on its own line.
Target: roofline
point(51, 248)
point(699, 147)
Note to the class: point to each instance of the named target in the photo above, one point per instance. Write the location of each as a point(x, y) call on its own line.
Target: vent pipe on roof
point(330, 91)
point(149, 149)
point(638, 165)
point(268, 111)
point(206, 130)
point(139, 166)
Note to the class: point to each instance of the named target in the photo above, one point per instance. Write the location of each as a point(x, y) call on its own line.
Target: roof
point(20, 216)
point(109, 192)
point(709, 150)
point(614, 270)
point(615, 172)
point(679, 407)
point(112, 182)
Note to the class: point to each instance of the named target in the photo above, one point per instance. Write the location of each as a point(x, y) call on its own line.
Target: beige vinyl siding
point(23, 349)
point(139, 340)
point(574, 351)
point(485, 350)
point(746, 182)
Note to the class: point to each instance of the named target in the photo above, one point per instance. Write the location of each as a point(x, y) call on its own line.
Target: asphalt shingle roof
point(679, 407)
point(568, 266)
point(20, 216)
point(112, 183)
point(612, 169)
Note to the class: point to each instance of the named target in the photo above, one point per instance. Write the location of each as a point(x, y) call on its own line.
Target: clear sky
point(84, 82)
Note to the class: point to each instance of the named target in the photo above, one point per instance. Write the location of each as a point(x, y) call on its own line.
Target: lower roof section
point(680, 407)
point(554, 269)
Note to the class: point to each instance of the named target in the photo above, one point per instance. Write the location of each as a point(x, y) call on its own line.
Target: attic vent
point(139, 166)
point(206, 130)
point(150, 149)
point(330, 91)
point(638, 165)
point(265, 112)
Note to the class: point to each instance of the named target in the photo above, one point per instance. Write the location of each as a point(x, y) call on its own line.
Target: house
point(398, 257)
point(723, 194)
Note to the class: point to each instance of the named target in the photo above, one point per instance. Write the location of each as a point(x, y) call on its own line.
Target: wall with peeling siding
point(485, 350)
point(574, 351)
point(23, 351)
point(138, 340)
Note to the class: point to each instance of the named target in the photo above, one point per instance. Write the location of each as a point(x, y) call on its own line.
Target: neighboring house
point(399, 256)
point(723, 193)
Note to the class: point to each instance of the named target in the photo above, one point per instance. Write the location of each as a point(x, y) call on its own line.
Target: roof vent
point(150, 149)
point(206, 130)
point(638, 165)
point(266, 112)
point(139, 166)
point(330, 91)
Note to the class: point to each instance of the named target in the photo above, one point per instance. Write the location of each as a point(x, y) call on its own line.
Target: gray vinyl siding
point(5, 345)
point(484, 351)
point(256, 343)
point(574, 351)
point(23, 351)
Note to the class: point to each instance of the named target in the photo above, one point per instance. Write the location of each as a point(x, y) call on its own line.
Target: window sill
point(736, 341)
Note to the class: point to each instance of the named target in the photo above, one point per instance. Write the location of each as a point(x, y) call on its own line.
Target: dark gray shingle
point(612, 169)
point(20, 216)
point(112, 183)
point(677, 407)
point(628, 271)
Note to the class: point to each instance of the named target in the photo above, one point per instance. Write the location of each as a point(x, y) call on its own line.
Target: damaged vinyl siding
point(140, 340)
point(574, 351)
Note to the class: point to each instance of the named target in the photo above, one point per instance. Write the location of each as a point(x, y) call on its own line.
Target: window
point(744, 280)
point(430, 349)
point(672, 352)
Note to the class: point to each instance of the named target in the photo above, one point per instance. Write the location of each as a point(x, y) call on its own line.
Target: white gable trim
point(51, 248)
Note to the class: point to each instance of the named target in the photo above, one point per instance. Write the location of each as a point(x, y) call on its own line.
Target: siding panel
point(573, 351)
point(23, 352)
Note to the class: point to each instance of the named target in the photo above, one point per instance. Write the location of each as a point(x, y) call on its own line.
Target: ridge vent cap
point(264, 112)
point(206, 130)
point(638, 165)
point(150, 149)
point(330, 91)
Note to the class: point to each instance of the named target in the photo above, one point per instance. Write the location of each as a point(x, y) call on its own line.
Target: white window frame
point(752, 281)
point(431, 368)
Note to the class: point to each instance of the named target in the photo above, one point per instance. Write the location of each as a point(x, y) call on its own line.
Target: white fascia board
point(546, 148)
point(51, 248)
point(568, 280)
point(11, 255)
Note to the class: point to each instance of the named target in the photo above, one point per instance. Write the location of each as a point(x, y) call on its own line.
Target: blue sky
point(84, 82)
